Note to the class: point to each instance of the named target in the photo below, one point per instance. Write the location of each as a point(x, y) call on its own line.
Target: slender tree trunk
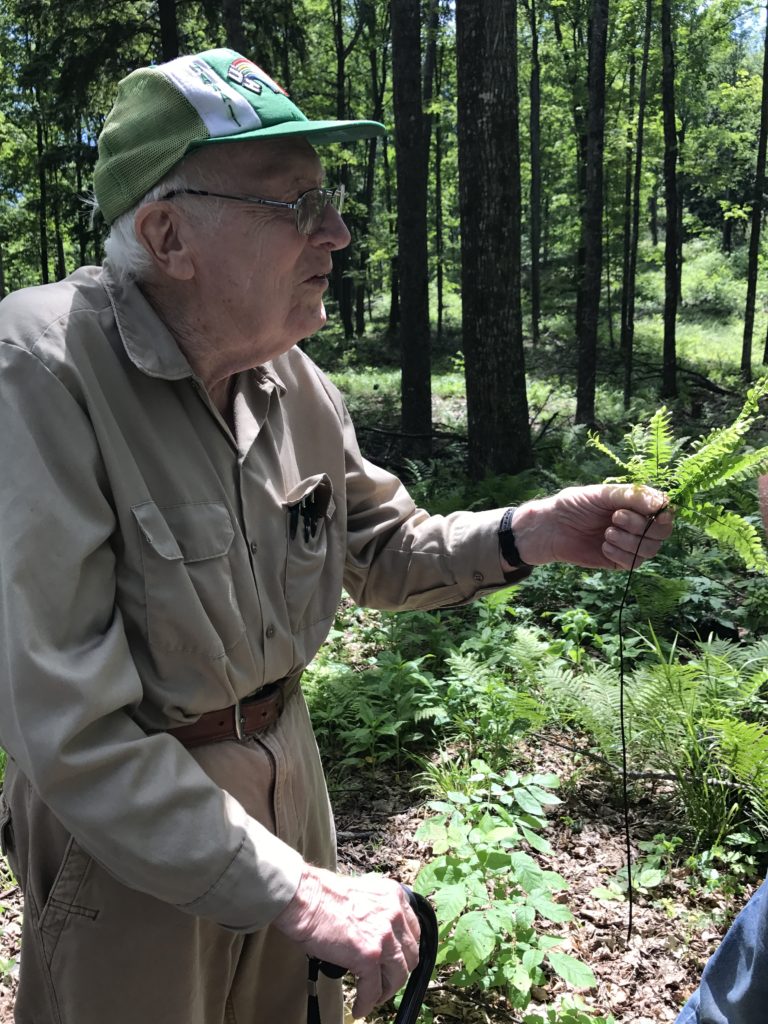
point(629, 340)
point(671, 274)
point(578, 102)
point(627, 230)
point(756, 221)
point(412, 168)
point(534, 122)
point(232, 12)
point(653, 213)
point(42, 216)
point(169, 29)
point(490, 207)
point(593, 217)
point(2, 269)
point(394, 272)
point(439, 245)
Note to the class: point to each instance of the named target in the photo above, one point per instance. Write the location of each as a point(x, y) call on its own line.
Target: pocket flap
point(192, 532)
point(321, 489)
point(156, 530)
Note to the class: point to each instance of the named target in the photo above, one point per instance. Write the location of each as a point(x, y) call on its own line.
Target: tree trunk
point(490, 208)
point(627, 227)
point(169, 30)
point(42, 215)
point(232, 12)
point(439, 245)
point(2, 270)
point(578, 103)
point(671, 275)
point(394, 274)
point(593, 216)
point(412, 167)
point(535, 187)
point(629, 340)
point(756, 221)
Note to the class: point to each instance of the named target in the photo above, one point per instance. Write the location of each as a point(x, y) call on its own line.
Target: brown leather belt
point(246, 718)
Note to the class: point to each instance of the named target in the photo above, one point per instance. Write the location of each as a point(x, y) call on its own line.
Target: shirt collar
point(148, 343)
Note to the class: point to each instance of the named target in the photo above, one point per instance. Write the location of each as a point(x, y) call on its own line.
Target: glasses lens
point(309, 212)
point(311, 208)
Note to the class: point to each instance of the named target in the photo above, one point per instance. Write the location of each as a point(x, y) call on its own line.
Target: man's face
point(261, 281)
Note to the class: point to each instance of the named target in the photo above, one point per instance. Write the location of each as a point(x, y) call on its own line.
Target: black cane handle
point(416, 988)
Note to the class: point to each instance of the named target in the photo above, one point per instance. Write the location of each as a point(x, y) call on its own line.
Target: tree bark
point(232, 12)
point(169, 29)
point(490, 208)
point(593, 216)
point(42, 214)
point(412, 169)
point(671, 274)
point(534, 122)
point(629, 341)
point(756, 221)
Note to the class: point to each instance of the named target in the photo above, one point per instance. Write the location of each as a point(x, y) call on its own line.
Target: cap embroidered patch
point(250, 76)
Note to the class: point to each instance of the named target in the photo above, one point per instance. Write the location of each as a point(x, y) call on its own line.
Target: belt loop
point(239, 722)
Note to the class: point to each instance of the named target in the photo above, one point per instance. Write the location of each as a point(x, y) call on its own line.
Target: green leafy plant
point(489, 894)
point(694, 479)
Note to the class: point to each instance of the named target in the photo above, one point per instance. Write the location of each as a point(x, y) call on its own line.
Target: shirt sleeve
point(138, 804)
point(401, 557)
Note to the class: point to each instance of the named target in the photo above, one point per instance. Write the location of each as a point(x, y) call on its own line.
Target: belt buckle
point(239, 722)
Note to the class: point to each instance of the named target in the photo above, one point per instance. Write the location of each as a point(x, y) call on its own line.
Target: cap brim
point(318, 131)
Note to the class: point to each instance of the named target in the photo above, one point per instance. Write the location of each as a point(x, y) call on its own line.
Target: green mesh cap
point(163, 112)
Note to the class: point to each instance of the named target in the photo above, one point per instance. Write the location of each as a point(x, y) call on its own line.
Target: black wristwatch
point(507, 541)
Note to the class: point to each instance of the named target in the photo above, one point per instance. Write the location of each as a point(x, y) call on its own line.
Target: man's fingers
point(368, 992)
point(634, 523)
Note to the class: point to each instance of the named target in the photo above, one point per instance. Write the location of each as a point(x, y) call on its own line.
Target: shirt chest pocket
point(309, 510)
point(189, 590)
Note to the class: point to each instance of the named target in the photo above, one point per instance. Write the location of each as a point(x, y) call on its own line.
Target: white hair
point(128, 258)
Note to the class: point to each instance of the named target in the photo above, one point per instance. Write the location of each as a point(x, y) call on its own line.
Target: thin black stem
point(624, 765)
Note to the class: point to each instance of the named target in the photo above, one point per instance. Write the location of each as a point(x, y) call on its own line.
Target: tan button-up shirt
point(155, 565)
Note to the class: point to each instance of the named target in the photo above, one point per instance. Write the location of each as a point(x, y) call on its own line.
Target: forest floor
point(645, 981)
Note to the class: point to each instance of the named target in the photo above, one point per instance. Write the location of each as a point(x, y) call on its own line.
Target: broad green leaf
point(449, 901)
point(571, 970)
point(548, 908)
point(474, 939)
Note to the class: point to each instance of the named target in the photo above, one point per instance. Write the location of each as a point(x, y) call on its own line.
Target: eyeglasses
point(309, 207)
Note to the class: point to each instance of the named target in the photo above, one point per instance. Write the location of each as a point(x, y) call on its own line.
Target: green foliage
point(489, 895)
point(700, 719)
point(694, 480)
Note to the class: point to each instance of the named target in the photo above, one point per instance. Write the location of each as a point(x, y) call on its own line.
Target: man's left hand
point(597, 527)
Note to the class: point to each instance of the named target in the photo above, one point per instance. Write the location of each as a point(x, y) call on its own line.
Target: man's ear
point(166, 237)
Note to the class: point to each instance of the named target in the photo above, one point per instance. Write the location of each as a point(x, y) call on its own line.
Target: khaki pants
point(94, 951)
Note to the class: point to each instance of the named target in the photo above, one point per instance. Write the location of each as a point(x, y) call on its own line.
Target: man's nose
point(333, 233)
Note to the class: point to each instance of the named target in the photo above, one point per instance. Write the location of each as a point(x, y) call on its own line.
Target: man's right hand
point(365, 924)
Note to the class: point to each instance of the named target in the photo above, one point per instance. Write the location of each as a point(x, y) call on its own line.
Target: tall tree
point(412, 166)
point(756, 220)
point(490, 207)
point(535, 185)
point(628, 318)
point(593, 216)
point(671, 245)
point(169, 29)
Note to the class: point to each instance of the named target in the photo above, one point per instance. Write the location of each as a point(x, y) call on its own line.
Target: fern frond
point(730, 530)
point(712, 458)
point(658, 450)
point(593, 441)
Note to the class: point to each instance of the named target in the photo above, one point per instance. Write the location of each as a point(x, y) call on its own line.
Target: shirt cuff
point(478, 556)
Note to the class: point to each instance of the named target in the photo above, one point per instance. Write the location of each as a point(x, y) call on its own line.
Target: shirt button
point(254, 547)
point(270, 632)
point(478, 577)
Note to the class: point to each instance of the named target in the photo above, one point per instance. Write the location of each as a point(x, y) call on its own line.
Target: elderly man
point(183, 500)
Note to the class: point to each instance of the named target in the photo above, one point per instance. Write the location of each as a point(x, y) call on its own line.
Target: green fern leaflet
point(694, 478)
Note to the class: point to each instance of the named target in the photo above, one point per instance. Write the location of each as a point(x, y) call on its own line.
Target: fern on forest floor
point(694, 479)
